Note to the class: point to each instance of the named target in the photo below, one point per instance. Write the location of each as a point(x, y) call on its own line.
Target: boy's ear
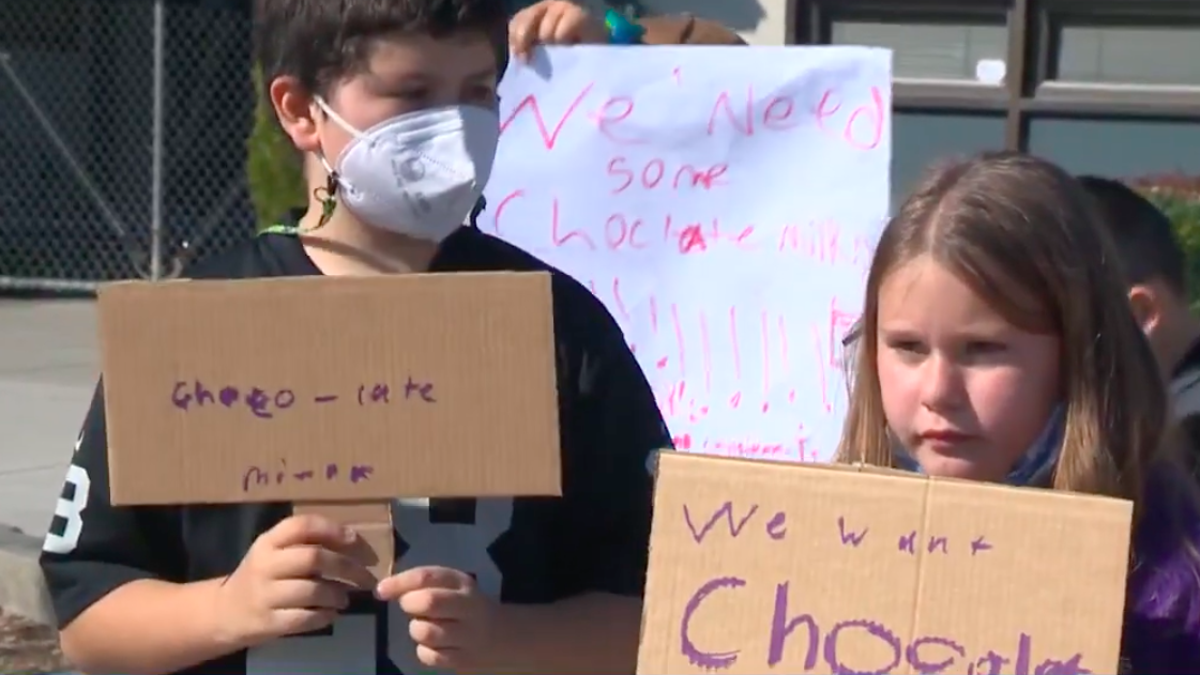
point(1146, 304)
point(294, 106)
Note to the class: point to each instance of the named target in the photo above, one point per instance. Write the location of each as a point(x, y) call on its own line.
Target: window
point(920, 139)
point(1117, 147)
point(1131, 55)
point(932, 50)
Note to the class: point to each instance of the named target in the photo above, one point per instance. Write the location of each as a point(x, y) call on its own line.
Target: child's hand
point(451, 620)
point(286, 583)
point(553, 22)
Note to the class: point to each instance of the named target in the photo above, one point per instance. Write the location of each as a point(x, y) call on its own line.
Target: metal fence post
point(156, 146)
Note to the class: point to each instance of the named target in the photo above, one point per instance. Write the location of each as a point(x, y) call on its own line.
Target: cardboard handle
point(372, 521)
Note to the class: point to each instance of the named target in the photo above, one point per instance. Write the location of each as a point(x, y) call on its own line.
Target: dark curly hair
point(322, 41)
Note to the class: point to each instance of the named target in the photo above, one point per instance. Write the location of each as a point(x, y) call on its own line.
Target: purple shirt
point(1162, 612)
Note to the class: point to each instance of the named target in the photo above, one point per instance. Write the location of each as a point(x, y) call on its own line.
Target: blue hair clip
point(622, 31)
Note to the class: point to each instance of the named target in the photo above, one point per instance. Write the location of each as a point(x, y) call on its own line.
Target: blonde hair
point(1021, 233)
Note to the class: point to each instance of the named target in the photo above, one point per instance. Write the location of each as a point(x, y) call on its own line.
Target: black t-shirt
point(1185, 402)
point(1185, 382)
point(524, 550)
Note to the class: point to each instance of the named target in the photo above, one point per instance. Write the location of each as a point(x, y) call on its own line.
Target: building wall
point(1109, 87)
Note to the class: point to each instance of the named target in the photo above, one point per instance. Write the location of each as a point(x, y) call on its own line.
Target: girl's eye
point(983, 348)
point(906, 346)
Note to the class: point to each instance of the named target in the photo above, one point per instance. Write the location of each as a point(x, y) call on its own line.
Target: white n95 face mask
point(419, 174)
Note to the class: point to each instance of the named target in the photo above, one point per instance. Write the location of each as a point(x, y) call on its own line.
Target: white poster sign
point(724, 204)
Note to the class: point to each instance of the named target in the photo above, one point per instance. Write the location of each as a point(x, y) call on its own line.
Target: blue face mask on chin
point(1034, 469)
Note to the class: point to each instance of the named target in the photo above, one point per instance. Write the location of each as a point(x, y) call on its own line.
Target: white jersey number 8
point(351, 648)
point(70, 510)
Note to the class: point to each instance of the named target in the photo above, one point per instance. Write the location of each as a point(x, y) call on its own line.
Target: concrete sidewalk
point(48, 367)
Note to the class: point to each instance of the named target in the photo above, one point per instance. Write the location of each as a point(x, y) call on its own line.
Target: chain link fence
point(123, 127)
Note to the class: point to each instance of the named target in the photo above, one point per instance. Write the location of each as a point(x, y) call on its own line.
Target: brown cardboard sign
point(765, 567)
point(330, 390)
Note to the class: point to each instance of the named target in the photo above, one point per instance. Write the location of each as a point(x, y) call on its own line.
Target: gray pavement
point(48, 367)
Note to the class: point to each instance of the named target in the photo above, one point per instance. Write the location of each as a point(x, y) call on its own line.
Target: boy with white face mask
point(393, 102)
point(417, 175)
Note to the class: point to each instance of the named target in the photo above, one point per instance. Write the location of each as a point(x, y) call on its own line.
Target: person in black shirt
point(1155, 266)
point(394, 103)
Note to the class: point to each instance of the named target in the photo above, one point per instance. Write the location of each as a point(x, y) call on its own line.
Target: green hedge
point(275, 172)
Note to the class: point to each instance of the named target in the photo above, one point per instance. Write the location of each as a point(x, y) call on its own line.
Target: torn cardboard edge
point(887, 472)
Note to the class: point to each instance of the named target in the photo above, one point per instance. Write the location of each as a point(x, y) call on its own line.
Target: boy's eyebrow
point(380, 82)
point(383, 84)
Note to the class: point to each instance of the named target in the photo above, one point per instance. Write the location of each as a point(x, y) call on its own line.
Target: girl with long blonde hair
point(997, 345)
